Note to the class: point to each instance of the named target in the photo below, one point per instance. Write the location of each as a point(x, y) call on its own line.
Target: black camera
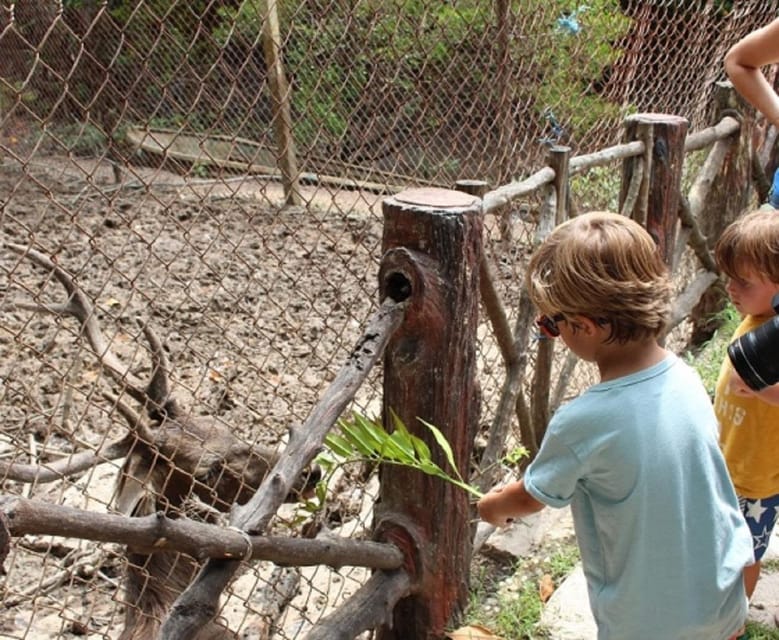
point(755, 355)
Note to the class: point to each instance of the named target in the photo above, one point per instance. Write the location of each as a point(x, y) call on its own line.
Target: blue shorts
point(760, 514)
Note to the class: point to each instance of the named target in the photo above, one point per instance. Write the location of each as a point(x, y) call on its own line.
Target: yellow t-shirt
point(749, 433)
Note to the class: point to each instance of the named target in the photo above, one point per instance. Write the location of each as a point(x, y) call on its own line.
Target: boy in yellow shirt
point(748, 254)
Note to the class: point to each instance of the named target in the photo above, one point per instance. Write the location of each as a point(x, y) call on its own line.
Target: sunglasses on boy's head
point(547, 325)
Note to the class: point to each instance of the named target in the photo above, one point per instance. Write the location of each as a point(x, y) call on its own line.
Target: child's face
point(751, 293)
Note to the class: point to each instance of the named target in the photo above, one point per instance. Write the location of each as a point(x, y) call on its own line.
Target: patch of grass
point(757, 631)
point(511, 607)
point(770, 566)
point(708, 360)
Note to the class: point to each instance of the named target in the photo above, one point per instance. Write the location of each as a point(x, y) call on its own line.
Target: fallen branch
point(274, 597)
point(66, 466)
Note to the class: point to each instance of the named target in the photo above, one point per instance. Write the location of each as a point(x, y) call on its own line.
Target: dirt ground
point(257, 305)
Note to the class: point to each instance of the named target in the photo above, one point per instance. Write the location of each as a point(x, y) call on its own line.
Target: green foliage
point(167, 40)
point(82, 139)
point(597, 189)
point(362, 439)
point(12, 93)
point(568, 71)
point(756, 631)
point(708, 360)
point(342, 57)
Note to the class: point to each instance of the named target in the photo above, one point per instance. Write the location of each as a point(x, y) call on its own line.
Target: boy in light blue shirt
point(662, 540)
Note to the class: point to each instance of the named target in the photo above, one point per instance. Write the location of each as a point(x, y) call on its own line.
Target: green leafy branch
point(363, 439)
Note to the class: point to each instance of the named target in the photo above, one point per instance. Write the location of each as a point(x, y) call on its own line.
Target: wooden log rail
point(21, 516)
point(505, 194)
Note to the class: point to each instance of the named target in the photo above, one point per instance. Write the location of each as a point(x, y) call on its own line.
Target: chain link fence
point(147, 149)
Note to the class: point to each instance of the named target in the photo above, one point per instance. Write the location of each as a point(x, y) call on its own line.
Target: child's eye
point(742, 284)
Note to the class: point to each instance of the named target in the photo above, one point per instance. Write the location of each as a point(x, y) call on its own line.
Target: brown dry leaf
point(545, 587)
point(472, 632)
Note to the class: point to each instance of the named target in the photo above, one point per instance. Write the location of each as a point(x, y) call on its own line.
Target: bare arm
point(737, 386)
point(503, 504)
point(743, 62)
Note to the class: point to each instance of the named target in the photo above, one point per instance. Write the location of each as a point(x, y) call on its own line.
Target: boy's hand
point(495, 508)
point(738, 387)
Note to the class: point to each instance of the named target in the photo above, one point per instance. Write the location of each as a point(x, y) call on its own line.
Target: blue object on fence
point(569, 22)
point(773, 195)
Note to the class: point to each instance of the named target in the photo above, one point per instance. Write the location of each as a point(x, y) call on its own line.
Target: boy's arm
point(503, 504)
point(737, 386)
point(743, 62)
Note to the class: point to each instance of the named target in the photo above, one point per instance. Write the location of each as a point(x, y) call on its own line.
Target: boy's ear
point(586, 325)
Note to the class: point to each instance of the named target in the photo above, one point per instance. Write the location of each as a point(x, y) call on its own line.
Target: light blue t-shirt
point(662, 540)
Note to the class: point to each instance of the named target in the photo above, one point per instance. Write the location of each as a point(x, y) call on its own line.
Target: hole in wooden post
point(398, 287)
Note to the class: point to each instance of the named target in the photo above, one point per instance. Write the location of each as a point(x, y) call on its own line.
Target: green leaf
point(321, 492)
point(516, 454)
point(325, 461)
point(431, 469)
point(339, 445)
point(403, 441)
point(421, 448)
point(358, 438)
point(393, 451)
point(443, 443)
point(373, 430)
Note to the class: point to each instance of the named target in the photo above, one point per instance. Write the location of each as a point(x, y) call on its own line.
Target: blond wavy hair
point(750, 243)
point(606, 267)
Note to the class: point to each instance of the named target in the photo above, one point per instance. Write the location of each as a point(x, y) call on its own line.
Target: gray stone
point(567, 613)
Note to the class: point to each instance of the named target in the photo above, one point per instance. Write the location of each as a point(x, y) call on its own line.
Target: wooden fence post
point(558, 157)
point(651, 183)
point(432, 248)
point(730, 194)
point(281, 103)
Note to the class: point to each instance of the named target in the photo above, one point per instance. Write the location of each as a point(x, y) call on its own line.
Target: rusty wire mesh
point(140, 151)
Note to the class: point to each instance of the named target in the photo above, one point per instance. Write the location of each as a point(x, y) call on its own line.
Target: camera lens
point(755, 355)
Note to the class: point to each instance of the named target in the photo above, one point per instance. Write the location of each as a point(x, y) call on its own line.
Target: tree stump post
point(659, 170)
point(432, 248)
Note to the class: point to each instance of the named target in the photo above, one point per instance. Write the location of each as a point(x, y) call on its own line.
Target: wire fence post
point(432, 247)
